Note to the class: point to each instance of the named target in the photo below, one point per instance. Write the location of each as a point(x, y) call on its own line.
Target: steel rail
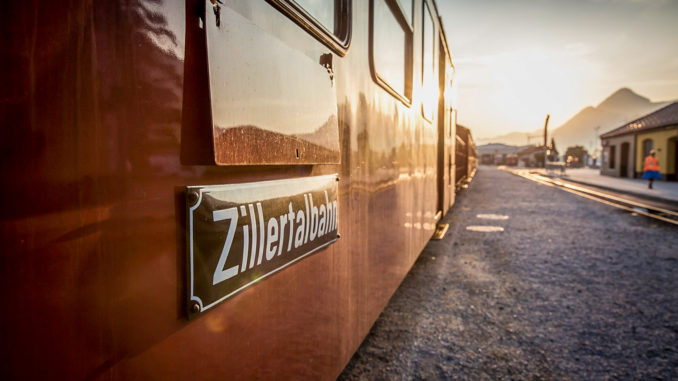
point(669, 216)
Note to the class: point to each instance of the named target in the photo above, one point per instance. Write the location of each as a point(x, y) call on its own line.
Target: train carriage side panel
point(461, 154)
point(472, 156)
point(109, 114)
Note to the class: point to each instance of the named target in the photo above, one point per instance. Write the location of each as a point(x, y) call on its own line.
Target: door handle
point(327, 61)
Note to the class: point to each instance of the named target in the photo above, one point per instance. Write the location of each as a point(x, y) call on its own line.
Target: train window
point(321, 10)
point(391, 49)
point(406, 7)
point(328, 21)
point(262, 113)
point(429, 88)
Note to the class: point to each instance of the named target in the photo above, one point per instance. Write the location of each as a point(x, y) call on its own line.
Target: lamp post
point(595, 149)
point(547, 151)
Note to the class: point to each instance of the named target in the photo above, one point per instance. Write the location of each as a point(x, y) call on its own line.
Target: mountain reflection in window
point(391, 48)
point(279, 107)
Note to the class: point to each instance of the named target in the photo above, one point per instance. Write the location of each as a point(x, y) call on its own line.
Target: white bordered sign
point(239, 234)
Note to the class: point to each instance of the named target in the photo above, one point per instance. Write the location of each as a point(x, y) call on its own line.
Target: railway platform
point(666, 191)
point(532, 282)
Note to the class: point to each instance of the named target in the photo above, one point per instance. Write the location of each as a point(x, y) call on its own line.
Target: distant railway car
point(216, 189)
point(466, 155)
point(512, 160)
point(472, 156)
point(487, 159)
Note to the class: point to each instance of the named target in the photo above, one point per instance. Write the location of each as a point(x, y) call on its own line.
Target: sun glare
point(524, 86)
point(518, 61)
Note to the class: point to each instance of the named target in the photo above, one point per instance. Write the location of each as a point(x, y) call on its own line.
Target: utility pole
point(547, 151)
point(596, 143)
point(546, 129)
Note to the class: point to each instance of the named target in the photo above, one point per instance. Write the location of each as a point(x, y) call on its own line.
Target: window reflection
point(429, 88)
point(321, 10)
point(391, 48)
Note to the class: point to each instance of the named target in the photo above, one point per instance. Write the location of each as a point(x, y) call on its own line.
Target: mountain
point(621, 107)
point(512, 138)
point(625, 100)
point(499, 149)
point(581, 128)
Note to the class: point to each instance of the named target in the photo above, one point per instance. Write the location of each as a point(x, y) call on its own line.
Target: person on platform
point(651, 169)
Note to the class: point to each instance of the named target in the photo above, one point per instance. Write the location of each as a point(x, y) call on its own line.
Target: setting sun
point(518, 61)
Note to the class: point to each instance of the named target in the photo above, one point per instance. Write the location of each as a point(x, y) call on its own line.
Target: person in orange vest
point(651, 169)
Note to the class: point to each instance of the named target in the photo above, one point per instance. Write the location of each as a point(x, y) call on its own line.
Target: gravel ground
point(571, 289)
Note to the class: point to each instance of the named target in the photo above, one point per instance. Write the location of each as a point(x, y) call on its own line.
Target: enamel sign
point(239, 234)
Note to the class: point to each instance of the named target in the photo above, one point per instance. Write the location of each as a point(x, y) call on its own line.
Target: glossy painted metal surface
point(272, 103)
point(103, 124)
point(446, 129)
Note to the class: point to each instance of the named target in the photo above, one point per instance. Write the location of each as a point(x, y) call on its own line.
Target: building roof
point(663, 117)
point(499, 149)
point(530, 150)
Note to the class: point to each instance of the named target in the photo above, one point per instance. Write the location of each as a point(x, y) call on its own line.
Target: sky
point(518, 60)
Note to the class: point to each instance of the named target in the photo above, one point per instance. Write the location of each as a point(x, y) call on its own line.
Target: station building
point(625, 147)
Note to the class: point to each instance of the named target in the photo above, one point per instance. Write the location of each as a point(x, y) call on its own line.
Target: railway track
point(633, 206)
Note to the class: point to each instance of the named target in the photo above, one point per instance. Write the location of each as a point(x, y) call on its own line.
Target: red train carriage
point(214, 189)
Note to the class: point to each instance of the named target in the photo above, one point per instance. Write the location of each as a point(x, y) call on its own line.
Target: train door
point(445, 133)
